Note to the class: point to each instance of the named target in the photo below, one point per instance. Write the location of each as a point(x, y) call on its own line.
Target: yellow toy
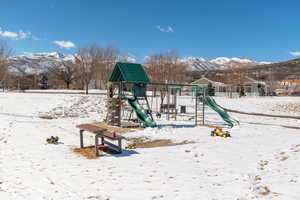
point(132, 146)
point(219, 132)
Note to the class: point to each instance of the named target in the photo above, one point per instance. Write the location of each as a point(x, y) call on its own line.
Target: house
point(220, 88)
point(288, 87)
point(254, 87)
point(249, 86)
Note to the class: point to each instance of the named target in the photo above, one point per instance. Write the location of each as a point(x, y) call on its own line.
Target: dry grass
point(265, 191)
point(296, 148)
point(263, 163)
point(143, 142)
point(125, 127)
point(284, 158)
point(89, 152)
point(257, 178)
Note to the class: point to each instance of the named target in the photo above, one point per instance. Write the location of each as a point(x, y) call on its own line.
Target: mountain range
point(32, 63)
point(37, 62)
point(200, 64)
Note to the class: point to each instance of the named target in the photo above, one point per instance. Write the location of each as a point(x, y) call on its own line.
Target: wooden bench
point(100, 133)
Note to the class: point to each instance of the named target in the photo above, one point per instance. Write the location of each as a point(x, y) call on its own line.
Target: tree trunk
point(86, 87)
point(68, 85)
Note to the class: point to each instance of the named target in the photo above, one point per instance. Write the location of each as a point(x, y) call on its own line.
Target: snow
point(200, 64)
point(259, 161)
point(92, 91)
point(265, 105)
point(191, 59)
point(44, 55)
point(224, 60)
point(217, 63)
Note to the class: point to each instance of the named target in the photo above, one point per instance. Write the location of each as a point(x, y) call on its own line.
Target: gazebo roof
point(129, 72)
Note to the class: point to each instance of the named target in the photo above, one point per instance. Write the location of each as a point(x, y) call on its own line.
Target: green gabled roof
point(129, 72)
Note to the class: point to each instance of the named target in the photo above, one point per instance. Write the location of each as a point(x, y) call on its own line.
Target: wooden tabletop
point(91, 128)
point(112, 136)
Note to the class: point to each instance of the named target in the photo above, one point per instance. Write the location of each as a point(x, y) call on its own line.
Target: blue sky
point(262, 30)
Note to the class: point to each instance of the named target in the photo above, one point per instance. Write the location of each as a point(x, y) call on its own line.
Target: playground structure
point(129, 91)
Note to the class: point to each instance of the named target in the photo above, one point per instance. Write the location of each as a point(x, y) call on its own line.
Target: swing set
point(129, 82)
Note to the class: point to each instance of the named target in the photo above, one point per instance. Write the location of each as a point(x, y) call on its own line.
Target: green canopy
point(129, 72)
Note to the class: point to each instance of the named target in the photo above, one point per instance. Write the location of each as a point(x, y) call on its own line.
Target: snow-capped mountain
point(225, 60)
point(200, 64)
point(31, 63)
point(35, 63)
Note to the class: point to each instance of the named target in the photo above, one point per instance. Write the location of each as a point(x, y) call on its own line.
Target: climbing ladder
point(199, 110)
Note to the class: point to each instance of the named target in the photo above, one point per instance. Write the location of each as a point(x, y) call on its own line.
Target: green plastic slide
point(141, 113)
point(221, 111)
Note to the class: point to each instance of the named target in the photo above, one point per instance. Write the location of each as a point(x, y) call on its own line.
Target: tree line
point(90, 67)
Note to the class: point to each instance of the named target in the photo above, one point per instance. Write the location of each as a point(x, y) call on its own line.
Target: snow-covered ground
point(260, 161)
point(93, 91)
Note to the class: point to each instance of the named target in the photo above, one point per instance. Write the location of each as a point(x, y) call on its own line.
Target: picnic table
point(102, 133)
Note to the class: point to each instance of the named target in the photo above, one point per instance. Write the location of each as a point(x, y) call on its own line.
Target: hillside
point(36, 62)
point(220, 63)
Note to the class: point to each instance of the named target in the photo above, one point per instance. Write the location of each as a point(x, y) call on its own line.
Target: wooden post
point(120, 145)
point(81, 138)
point(168, 103)
point(102, 140)
point(175, 103)
point(203, 107)
point(120, 102)
point(196, 108)
point(120, 88)
point(96, 145)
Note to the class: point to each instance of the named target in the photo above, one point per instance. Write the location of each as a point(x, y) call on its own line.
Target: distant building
point(220, 88)
point(254, 87)
point(245, 85)
point(288, 87)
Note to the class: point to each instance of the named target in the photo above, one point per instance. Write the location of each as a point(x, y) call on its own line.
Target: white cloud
point(168, 29)
point(295, 53)
point(64, 44)
point(8, 34)
point(15, 35)
point(23, 35)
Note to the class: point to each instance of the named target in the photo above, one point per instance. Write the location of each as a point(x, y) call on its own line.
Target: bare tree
point(105, 61)
point(95, 63)
point(64, 71)
point(166, 68)
point(5, 52)
point(86, 62)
